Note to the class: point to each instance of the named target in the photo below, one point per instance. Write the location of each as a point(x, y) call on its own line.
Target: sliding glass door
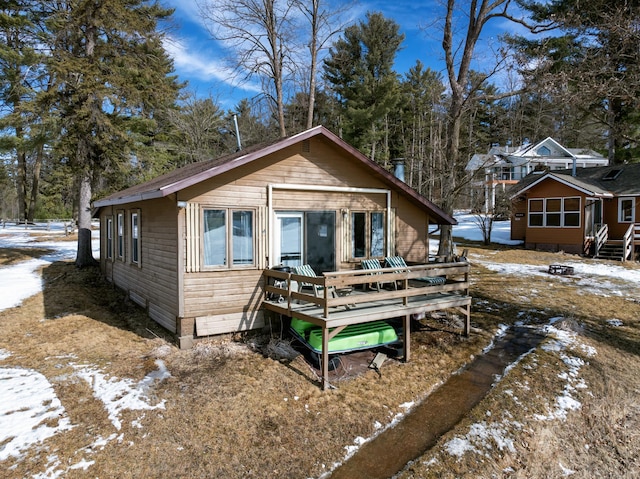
point(305, 238)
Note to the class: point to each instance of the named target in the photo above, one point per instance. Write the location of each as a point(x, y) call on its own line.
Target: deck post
point(325, 358)
point(467, 321)
point(407, 337)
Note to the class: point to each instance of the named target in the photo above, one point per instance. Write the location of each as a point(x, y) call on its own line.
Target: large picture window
point(626, 210)
point(367, 234)
point(554, 212)
point(228, 238)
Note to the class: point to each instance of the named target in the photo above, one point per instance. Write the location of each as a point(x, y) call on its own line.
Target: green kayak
point(351, 338)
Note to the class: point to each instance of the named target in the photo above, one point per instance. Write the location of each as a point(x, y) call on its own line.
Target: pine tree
point(22, 125)
point(590, 61)
point(360, 70)
point(110, 74)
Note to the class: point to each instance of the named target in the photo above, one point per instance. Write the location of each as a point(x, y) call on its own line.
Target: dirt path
point(389, 452)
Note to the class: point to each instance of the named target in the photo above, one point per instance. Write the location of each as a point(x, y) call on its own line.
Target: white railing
point(602, 235)
point(627, 243)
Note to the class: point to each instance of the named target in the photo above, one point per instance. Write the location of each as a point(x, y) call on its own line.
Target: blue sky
point(200, 60)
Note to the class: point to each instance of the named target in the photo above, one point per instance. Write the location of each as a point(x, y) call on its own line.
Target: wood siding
point(411, 232)
point(563, 238)
point(610, 213)
point(570, 239)
point(200, 301)
point(230, 300)
point(152, 284)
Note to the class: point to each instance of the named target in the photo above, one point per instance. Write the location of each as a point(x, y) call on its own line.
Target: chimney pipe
point(398, 168)
point(235, 121)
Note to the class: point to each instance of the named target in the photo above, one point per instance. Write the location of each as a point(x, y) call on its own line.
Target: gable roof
point(195, 173)
point(552, 145)
point(529, 154)
point(601, 181)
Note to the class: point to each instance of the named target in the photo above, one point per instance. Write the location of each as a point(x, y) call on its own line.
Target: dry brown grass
point(9, 256)
point(232, 413)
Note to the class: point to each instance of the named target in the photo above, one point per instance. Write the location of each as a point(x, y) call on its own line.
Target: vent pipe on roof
point(573, 168)
point(235, 121)
point(398, 168)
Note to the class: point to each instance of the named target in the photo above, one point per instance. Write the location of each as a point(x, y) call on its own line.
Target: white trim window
point(222, 239)
point(135, 237)
point(109, 235)
point(120, 235)
point(367, 234)
point(626, 209)
point(554, 212)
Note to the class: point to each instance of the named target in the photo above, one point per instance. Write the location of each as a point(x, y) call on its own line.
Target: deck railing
point(335, 287)
point(602, 235)
point(628, 241)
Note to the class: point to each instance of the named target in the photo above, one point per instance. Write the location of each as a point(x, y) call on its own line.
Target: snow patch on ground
point(30, 411)
point(483, 437)
point(118, 395)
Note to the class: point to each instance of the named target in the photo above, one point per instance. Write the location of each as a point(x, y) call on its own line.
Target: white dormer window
point(544, 151)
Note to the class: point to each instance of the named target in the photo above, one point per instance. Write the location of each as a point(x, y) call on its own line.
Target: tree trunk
point(313, 50)
point(445, 248)
point(21, 186)
point(37, 167)
point(84, 256)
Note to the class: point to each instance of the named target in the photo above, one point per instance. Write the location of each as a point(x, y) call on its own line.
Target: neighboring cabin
point(504, 166)
point(589, 211)
point(191, 246)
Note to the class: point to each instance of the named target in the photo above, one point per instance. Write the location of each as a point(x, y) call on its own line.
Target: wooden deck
point(347, 298)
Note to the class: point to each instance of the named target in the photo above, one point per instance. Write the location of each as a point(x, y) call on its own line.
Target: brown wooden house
point(591, 211)
point(192, 246)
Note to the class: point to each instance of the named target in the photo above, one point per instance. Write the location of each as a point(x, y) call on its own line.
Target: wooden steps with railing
point(619, 250)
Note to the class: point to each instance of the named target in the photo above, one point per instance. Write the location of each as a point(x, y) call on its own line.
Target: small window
point(242, 238)
point(377, 234)
point(120, 235)
point(222, 240)
point(358, 235)
point(215, 238)
point(536, 213)
point(536, 206)
point(572, 212)
point(367, 234)
point(109, 236)
point(554, 212)
point(612, 174)
point(544, 151)
point(135, 237)
point(626, 210)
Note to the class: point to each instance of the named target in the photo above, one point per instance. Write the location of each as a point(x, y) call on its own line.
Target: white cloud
point(194, 62)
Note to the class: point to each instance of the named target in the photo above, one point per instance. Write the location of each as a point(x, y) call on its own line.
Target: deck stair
point(613, 250)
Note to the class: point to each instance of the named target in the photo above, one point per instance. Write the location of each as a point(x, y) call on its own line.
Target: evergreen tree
point(110, 74)
point(200, 127)
point(253, 127)
point(590, 61)
point(22, 123)
point(359, 68)
point(418, 132)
